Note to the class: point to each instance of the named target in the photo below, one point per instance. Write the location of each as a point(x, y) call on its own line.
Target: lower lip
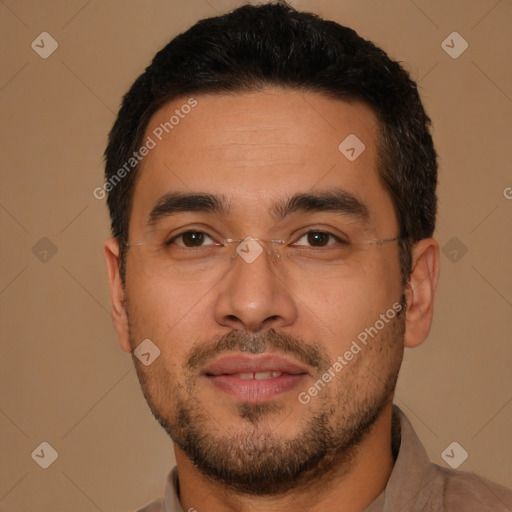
point(254, 390)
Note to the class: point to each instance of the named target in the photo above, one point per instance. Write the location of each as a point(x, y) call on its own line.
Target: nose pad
point(275, 255)
point(250, 249)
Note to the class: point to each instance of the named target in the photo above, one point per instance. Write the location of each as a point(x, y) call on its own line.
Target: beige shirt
point(415, 484)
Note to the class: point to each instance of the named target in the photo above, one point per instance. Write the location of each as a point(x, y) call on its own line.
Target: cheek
point(171, 318)
point(344, 308)
point(163, 306)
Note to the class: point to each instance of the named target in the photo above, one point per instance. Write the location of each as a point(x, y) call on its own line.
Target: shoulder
point(154, 506)
point(472, 493)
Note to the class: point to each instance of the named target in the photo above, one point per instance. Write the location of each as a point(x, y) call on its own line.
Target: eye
point(191, 239)
point(319, 239)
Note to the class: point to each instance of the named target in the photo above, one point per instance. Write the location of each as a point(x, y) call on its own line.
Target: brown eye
point(318, 239)
point(190, 239)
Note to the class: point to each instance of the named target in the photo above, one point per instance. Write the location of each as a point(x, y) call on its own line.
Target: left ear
point(420, 291)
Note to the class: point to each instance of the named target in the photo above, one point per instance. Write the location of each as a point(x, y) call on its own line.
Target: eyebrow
point(335, 200)
point(174, 203)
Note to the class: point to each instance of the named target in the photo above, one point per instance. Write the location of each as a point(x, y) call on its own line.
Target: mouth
point(254, 378)
point(256, 375)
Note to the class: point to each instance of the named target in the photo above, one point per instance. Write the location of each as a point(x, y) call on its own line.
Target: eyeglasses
point(197, 256)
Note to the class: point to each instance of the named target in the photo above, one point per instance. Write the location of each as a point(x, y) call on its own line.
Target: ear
point(111, 249)
point(420, 291)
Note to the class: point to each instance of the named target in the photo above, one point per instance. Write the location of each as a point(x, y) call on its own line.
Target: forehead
point(286, 125)
point(255, 148)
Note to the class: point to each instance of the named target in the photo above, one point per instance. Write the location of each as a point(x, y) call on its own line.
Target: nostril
point(270, 320)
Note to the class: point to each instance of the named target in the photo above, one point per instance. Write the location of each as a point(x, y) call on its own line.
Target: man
point(271, 182)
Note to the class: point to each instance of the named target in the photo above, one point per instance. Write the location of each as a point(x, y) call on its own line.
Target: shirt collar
point(172, 492)
point(415, 484)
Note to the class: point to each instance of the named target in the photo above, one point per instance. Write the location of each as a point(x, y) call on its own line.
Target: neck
point(345, 489)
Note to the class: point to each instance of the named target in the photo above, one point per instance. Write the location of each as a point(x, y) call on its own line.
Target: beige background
point(64, 380)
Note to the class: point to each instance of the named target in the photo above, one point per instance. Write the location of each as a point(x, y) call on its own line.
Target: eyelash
point(174, 238)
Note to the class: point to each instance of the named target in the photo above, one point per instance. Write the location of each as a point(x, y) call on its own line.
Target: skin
point(256, 148)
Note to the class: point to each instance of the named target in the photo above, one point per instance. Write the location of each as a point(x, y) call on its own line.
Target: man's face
point(217, 320)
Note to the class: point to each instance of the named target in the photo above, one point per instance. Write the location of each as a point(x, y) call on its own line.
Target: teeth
point(262, 375)
point(257, 375)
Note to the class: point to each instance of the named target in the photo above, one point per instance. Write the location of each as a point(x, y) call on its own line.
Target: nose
point(253, 295)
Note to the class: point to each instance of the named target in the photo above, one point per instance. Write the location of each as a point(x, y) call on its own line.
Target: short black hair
point(274, 45)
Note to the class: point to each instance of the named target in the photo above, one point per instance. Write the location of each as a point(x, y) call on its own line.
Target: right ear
point(111, 249)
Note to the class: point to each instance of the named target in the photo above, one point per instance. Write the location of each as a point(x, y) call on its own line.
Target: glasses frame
point(276, 253)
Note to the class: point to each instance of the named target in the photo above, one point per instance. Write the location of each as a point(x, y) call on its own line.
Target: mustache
point(267, 341)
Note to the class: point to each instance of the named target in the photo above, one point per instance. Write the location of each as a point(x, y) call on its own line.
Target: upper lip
point(236, 363)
